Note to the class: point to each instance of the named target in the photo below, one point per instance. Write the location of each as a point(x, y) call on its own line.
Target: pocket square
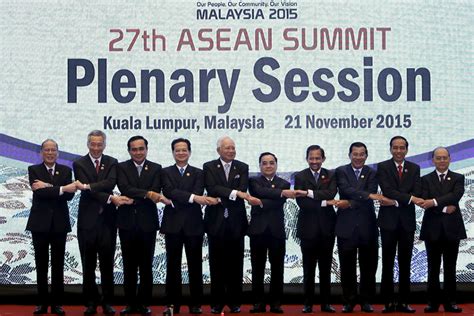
point(237, 176)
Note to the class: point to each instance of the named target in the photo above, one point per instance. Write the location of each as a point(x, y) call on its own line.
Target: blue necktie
point(181, 171)
point(316, 176)
point(357, 173)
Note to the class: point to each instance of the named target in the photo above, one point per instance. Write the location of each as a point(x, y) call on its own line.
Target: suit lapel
point(220, 171)
point(310, 176)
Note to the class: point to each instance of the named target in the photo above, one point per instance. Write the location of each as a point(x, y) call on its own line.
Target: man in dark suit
point(315, 226)
point(140, 180)
point(183, 225)
point(49, 224)
point(96, 176)
point(267, 232)
point(226, 224)
point(400, 182)
point(356, 228)
point(442, 229)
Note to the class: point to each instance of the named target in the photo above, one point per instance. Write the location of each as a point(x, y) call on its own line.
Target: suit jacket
point(271, 215)
point(447, 193)
point(401, 191)
point(361, 214)
point(184, 216)
point(217, 186)
point(49, 210)
point(101, 186)
point(314, 220)
point(143, 213)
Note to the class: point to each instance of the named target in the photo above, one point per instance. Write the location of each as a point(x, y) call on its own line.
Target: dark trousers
point(367, 252)
point(174, 249)
point(226, 264)
point(260, 245)
point(314, 251)
point(391, 239)
point(41, 243)
point(448, 250)
point(138, 248)
point(98, 242)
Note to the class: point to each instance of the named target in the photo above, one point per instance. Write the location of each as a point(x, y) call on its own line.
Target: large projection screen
point(274, 75)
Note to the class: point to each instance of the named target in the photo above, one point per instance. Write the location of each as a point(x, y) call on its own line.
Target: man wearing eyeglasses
point(49, 224)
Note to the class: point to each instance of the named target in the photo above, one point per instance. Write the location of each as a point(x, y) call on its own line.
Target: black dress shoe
point(452, 308)
point(405, 308)
point(258, 308)
point(144, 310)
point(90, 310)
point(389, 308)
point(307, 309)
point(326, 308)
point(431, 308)
point(195, 310)
point(347, 308)
point(107, 309)
point(276, 309)
point(366, 308)
point(128, 310)
point(41, 309)
point(216, 309)
point(234, 309)
point(57, 309)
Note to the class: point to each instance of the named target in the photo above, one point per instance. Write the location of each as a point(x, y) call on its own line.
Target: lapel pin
point(187, 174)
point(406, 170)
point(218, 166)
point(323, 176)
point(102, 167)
point(235, 168)
point(146, 167)
point(57, 172)
point(362, 176)
point(273, 185)
point(449, 179)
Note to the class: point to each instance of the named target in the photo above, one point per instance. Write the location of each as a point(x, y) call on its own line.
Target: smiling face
point(49, 153)
point(268, 166)
point(315, 159)
point(358, 157)
point(181, 153)
point(226, 150)
point(399, 150)
point(138, 151)
point(96, 146)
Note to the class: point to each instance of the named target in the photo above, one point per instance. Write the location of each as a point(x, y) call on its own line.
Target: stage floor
point(75, 310)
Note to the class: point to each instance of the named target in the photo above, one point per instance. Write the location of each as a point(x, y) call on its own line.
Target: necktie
point(316, 176)
point(51, 173)
point(400, 171)
point(227, 171)
point(139, 169)
point(181, 171)
point(96, 165)
point(357, 173)
point(441, 177)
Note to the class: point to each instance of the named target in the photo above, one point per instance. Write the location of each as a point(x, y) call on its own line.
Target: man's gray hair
point(221, 139)
point(96, 132)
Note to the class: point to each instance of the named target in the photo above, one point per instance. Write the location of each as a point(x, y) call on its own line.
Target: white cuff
point(233, 195)
point(310, 194)
point(191, 199)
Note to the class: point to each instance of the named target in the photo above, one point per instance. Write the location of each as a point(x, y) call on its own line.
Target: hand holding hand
point(38, 184)
point(343, 204)
point(450, 209)
point(70, 188)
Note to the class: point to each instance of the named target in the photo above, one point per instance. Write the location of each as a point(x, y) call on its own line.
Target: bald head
point(441, 159)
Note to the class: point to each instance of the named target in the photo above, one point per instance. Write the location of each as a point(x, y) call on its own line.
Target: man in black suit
point(140, 180)
point(400, 182)
point(315, 226)
point(356, 228)
point(267, 232)
point(183, 225)
point(96, 176)
point(49, 224)
point(442, 229)
point(226, 224)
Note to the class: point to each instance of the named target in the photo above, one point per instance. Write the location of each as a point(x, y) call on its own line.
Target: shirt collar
point(94, 159)
point(224, 163)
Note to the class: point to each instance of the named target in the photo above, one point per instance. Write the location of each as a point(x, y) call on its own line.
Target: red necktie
point(97, 165)
point(400, 171)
